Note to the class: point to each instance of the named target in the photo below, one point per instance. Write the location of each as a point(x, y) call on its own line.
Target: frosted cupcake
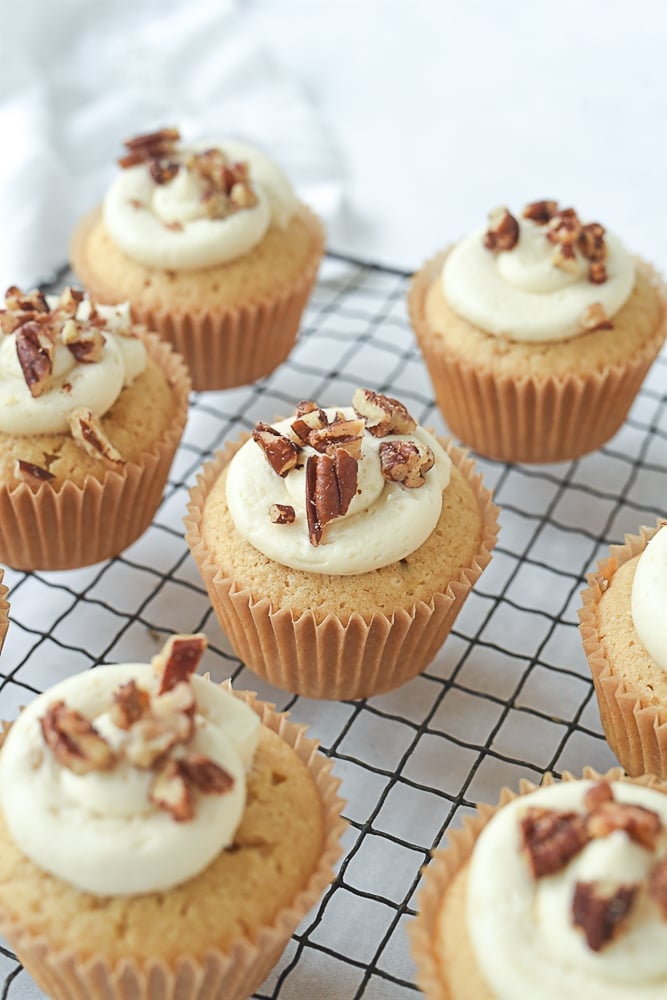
point(149, 828)
point(338, 546)
point(4, 610)
point(91, 412)
point(209, 244)
point(537, 331)
point(561, 891)
point(623, 628)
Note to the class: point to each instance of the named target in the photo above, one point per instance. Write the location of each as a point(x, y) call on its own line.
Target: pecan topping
point(178, 659)
point(600, 913)
point(564, 227)
point(282, 513)
point(35, 349)
point(9, 321)
point(565, 258)
point(205, 774)
point(87, 431)
point(540, 212)
point(597, 272)
point(130, 703)
point(641, 825)
point(152, 737)
point(86, 344)
point(170, 792)
point(551, 839)
point(600, 792)
point(30, 302)
point(308, 420)
point(657, 886)
point(280, 452)
point(228, 186)
point(150, 146)
point(74, 741)
point(591, 242)
point(595, 318)
point(405, 462)
point(503, 231)
point(340, 433)
point(70, 299)
point(331, 483)
point(33, 474)
point(383, 415)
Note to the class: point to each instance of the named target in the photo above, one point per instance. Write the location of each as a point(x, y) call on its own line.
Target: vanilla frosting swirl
point(522, 295)
point(99, 831)
point(384, 523)
point(140, 214)
point(648, 601)
point(521, 929)
point(72, 383)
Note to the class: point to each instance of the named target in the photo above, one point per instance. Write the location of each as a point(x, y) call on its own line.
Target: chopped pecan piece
point(205, 774)
point(177, 699)
point(591, 242)
point(595, 318)
point(564, 227)
point(151, 145)
point(565, 258)
point(178, 659)
point(243, 196)
point(280, 452)
point(341, 433)
point(85, 343)
point(657, 886)
point(308, 420)
point(597, 272)
point(215, 204)
point(150, 738)
point(130, 703)
point(9, 321)
point(600, 792)
point(540, 212)
point(170, 792)
point(33, 474)
point(282, 513)
point(331, 483)
point(405, 462)
point(600, 913)
point(383, 415)
point(74, 741)
point(641, 825)
point(503, 231)
point(551, 839)
point(35, 349)
point(87, 431)
point(163, 170)
point(70, 299)
point(32, 302)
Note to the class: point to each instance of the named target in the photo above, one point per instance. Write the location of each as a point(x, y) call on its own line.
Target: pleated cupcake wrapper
point(231, 346)
point(636, 731)
point(528, 418)
point(324, 658)
point(212, 975)
point(4, 610)
point(80, 524)
point(448, 861)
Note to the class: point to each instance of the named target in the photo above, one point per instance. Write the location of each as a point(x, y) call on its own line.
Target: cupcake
point(209, 244)
point(161, 835)
point(4, 610)
point(338, 546)
point(558, 892)
point(537, 332)
point(624, 632)
point(91, 412)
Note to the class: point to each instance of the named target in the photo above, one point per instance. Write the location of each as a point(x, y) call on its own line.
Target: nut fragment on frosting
point(190, 206)
point(63, 364)
point(542, 276)
point(566, 892)
point(129, 778)
point(339, 490)
point(649, 597)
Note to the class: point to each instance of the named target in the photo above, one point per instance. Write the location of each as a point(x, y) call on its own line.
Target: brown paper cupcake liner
point(76, 525)
point(4, 610)
point(448, 861)
point(227, 347)
point(322, 657)
point(235, 974)
point(527, 419)
point(635, 730)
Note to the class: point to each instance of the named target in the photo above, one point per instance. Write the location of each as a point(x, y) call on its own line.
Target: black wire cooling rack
point(508, 696)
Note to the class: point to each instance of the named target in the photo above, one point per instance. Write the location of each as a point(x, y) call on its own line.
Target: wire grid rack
point(508, 696)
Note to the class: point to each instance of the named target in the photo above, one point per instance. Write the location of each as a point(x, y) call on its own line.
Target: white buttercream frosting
point(649, 598)
point(525, 941)
point(72, 383)
point(384, 523)
point(99, 831)
point(522, 295)
point(138, 212)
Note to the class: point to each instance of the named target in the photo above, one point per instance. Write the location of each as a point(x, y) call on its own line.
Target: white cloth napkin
point(79, 76)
